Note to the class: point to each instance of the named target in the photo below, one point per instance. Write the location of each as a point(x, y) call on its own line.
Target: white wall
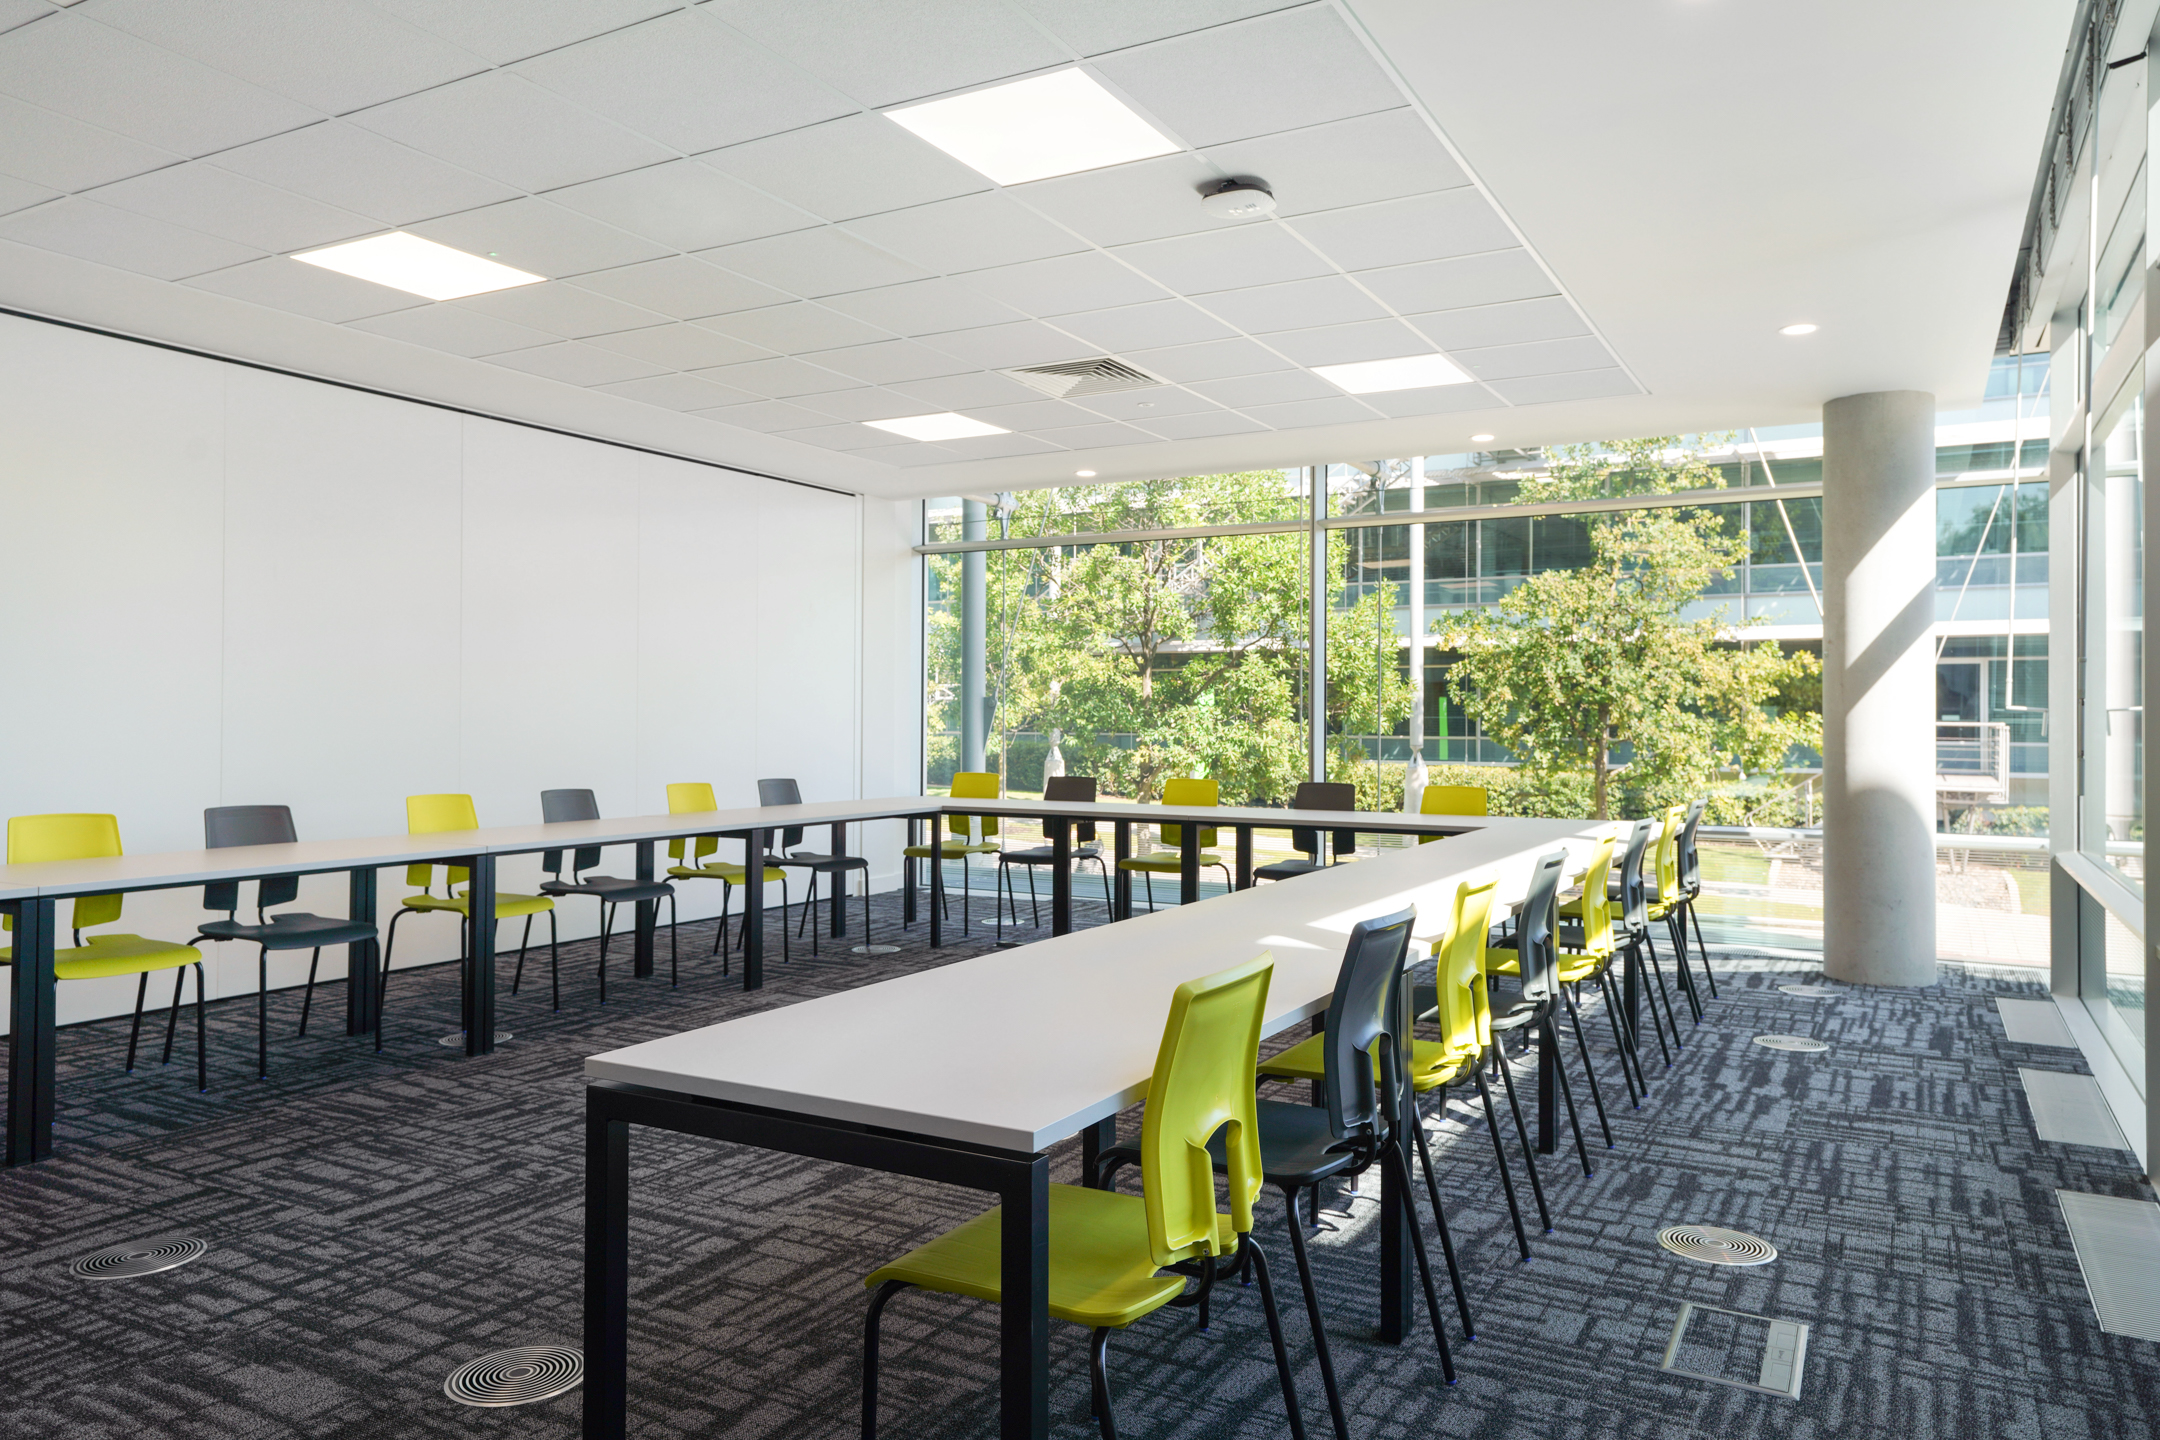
point(223, 586)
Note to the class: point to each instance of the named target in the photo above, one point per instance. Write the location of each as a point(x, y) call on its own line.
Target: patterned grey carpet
point(376, 1221)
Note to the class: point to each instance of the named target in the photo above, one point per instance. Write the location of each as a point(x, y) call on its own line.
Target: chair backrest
point(1203, 1081)
point(1364, 1020)
point(225, 826)
point(1453, 800)
point(782, 792)
point(1596, 909)
point(1634, 894)
point(1077, 788)
point(560, 807)
point(1534, 930)
point(974, 785)
point(692, 797)
point(1323, 795)
point(1666, 871)
point(32, 838)
point(1459, 973)
point(1690, 862)
point(431, 815)
point(1198, 794)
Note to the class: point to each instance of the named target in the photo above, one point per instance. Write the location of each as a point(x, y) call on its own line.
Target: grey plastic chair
point(1078, 789)
point(787, 792)
point(225, 826)
point(1314, 795)
point(560, 807)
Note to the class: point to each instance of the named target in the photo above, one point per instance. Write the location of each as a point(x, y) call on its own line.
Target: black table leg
point(363, 958)
point(31, 1074)
point(1024, 1308)
point(753, 916)
point(1094, 1139)
point(1121, 890)
point(1188, 866)
point(607, 1272)
point(1548, 1097)
point(648, 916)
point(1244, 857)
point(907, 873)
point(839, 883)
point(937, 881)
point(480, 957)
point(1060, 874)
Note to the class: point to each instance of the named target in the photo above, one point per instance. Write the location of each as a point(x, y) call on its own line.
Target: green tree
point(1574, 663)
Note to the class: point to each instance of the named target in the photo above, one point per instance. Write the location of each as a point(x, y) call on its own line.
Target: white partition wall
point(227, 586)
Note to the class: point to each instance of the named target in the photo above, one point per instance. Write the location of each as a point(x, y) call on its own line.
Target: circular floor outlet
point(1715, 1246)
point(1810, 992)
point(1798, 1044)
point(523, 1376)
point(875, 950)
point(456, 1039)
point(128, 1262)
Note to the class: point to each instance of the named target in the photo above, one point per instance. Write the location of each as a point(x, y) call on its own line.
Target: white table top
point(1021, 1048)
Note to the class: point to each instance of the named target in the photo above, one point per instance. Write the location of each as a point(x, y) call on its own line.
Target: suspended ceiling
point(1603, 213)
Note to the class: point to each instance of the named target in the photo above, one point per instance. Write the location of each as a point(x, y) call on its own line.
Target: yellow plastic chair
point(1107, 1250)
point(696, 798)
point(1189, 794)
point(967, 835)
point(35, 838)
point(1585, 952)
point(433, 815)
point(1451, 800)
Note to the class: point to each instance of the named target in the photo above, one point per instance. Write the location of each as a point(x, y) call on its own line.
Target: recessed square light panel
point(416, 266)
point(1409, 372)
point(946, 426)
point(1055, 124)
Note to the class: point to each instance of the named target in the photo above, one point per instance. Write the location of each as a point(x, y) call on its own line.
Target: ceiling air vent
point(1071, 379)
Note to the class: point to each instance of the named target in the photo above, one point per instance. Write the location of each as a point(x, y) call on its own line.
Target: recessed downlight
point(416, 266)
point(1085, 474)
point(1407, 372)
point(943, 426)
point(1803, 328)
point(1479, 439)
point(1031, 129)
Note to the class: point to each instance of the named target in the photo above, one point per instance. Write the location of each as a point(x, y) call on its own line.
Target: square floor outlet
point(1750, 1352)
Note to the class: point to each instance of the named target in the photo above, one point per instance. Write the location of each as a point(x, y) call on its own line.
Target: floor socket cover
point(1716, 1246)
point(1748, 1352)
point(128, 1262)
point(1800, 1044)
point(875, 950)
point(1810, 992)
point(521, 1376)
point(457, 1038)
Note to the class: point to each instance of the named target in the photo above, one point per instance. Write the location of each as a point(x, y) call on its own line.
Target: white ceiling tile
point(1095, 437)
point(923, 307)
point(681, 347)
point(768, 416)
point(453, 330)
point(1209, 360)
point(123, 239)
point(283, 283)
point(538, 238)
point(1268, 389)
point(842, 169)
point(1510, 323)
point(684, 205)
point(965, 392)
point(504, 126)
point(1296, 68)
point(1200, 427)
point(562, 309)
point(971, 232)
point(1032, 415)
point(1000, 347)
point(913, 455)
point(675, 392)
point(1347, 344)
point(96, 74)
point(1104, 25)
point(343, 165)
point(780, 378)
point(814, 263)
point(869, 403)
point(1146, 200)
point(64, 154)
point(1297, 414)
point(21, 194)
point(1295, 305)
point(1143, 327)
point(1538, 357)
point(507, 30)
point(1090, 280)
point(1452, 284)
point(1255, 253)
point(1402, 232)
point(22, 12)
point(996, 447)
point(1348, 162)
point(575, 364)
point(840, 437)
point(1143, 407)
point(886, 362)
point(682, 287)
point(796, 327)
point(1436, 400)
point(332, 55)
point(687, 82)
point(1584, 385)
point(233, 207)
point(884, 54)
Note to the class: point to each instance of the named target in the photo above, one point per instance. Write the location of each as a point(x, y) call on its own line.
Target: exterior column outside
point(1414, 771)
point(1879, 688)
point(1316, 540)
point(974, 632)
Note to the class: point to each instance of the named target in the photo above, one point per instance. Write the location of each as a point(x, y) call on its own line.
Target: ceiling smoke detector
point(1071, 379)
point(1238, 200)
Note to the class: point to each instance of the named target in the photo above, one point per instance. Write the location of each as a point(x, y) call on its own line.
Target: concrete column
point(1879, 688)
point(974, 632)
point(1414, 772)
point(1317, 581)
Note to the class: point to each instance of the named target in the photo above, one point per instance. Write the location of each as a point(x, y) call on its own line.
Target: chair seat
point(1571, 938)
point(1432, 1064)
point(507, 907)
point(1287, 869)
point(1044, 855)
point(609, 888)
point(1574, 907)
point(723, 871)
point(1296, 1145)
point(951, 849)
point(1571, 966)
point(294, 930)
point(115, 955)
point(1101, 1269)
point(1166, 864)
point(827, 864)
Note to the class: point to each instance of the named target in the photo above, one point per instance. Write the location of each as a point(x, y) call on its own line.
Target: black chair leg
point(1274, 1325)
point(1312, 1312)
point(1567, 1092)
point(1149, 877)
point(1630, 1069)
point(1522, 1133)
point(1676, 931)
point(172, 1018)
point(555, 959)
point(307, 996)
point(1507, 1181)
point(674, 976)
point(878, 1298)
point(262, 1013)
point(382, 980)
point(607, 917)
point(202, 1037)
point(1392, 1157)
point(142, 988)
point(1034, 905)
point(1582, 1047)
point(1447, 1241)
point(720, 947)
point(1099, 1382)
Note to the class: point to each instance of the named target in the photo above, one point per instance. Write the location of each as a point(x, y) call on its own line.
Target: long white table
point(986, 1063)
